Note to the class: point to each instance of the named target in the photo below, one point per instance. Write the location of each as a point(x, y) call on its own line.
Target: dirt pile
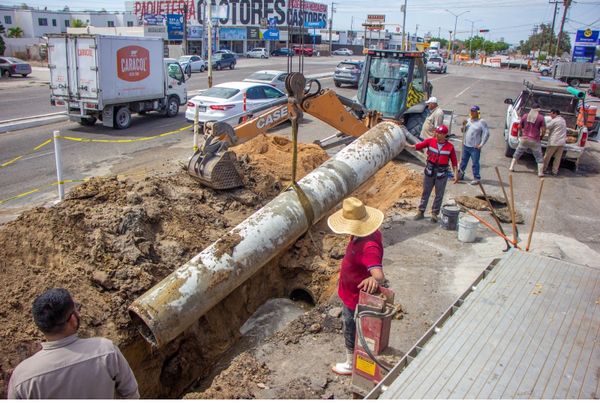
point(114, 238)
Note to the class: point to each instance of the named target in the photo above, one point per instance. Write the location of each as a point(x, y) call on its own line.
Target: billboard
point(586, 37)
point(584, 53)
point(380, 18)
point(175, 27)
point(161, 8)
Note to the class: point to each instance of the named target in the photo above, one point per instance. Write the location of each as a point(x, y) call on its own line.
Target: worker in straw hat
point(361, 267)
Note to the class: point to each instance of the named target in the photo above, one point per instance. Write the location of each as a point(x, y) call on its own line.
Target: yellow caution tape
point(141, 139)
point(33, 191)
point(36, 148)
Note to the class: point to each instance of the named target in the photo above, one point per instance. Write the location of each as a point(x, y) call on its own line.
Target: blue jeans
point(470, 153)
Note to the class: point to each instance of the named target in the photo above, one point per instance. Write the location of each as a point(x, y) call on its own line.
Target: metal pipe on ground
point(175, 303)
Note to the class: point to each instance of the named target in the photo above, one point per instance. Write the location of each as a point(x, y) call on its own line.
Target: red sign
point(85, 52)
point(163, 7)
point(376, 17)
point(133, 63)
point(309, 5)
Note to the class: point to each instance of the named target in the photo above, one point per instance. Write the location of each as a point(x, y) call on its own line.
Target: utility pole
point(552, 29)
point(210, 78)
point(331, 25)
point(185, 39)
point(566, 3)
point(454, 36)
point(439, 32)
point(403, 8)
point(533, 33)
point(471, 40)
point(417, 30)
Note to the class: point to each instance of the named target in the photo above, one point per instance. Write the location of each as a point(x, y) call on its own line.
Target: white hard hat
point(431, 100)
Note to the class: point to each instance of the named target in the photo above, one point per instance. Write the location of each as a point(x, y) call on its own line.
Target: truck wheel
point(574, 82)
point(172, 108)
point(122, 118)
point(415, 122)
point(88, 121)
point(508, 151)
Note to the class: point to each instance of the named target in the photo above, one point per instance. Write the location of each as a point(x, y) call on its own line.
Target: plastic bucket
point(449, 217)
point(467, 229)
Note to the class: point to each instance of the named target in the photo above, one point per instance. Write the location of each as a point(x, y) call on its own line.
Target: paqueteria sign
point(133, 63)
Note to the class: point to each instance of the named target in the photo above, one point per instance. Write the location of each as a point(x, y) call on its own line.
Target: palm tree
point(2, 44)
point(15, 32)
point(78, 24)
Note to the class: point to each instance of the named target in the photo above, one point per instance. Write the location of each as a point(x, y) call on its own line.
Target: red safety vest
point(438, 154)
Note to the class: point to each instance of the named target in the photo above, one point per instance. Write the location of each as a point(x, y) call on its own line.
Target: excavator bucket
point(213, 165)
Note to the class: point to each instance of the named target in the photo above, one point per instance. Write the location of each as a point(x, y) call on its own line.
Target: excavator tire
point(414, 123)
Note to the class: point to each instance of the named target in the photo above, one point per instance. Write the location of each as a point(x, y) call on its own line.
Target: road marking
point(439, 78)
point(462, 92)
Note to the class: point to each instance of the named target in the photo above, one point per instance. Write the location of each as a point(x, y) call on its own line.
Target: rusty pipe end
point(141, 320)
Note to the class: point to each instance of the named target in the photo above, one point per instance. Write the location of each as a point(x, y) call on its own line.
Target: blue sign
point(232, 33)
point(175, 27)
point(153, 19)
point(271, 35)
point(272, 23)
point(586, 36)
point(314, 24)
point(584, 54)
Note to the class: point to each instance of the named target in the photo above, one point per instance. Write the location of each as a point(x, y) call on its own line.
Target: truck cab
point(548, 97)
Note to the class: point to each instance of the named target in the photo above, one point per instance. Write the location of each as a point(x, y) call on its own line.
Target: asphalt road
point(22, 97)
point(569, 202)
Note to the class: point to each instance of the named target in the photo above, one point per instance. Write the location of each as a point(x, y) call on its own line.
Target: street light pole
point(331, 25)
point(471, 40)
point(454, 32)
point(403, 25)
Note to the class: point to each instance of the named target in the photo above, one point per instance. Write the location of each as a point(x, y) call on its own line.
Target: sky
point(511, 20)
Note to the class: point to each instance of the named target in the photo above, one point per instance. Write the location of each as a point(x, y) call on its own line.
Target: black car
point(282, 52)
point(223, 60)
point(347, 72)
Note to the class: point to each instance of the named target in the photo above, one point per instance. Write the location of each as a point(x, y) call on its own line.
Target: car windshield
point(220, 92)
point(184, 59)
point(347, 66)
point(15, 60)
point(437, 60)
point(262, 76)
point(386, 86)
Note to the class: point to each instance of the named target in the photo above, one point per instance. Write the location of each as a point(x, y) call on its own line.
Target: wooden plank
point(492, 365)
point(591, 382)
point(437, 343)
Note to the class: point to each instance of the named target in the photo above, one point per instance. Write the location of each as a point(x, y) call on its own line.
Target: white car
point(225, 102)
point(195, 63)
point(274, 78)
point(436, 64)
point(260, 53)
point(343, 51)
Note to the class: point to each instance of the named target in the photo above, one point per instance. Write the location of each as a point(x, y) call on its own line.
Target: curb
point(41, 120)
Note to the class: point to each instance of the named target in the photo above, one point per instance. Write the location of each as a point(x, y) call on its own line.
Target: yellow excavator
point(393, 86)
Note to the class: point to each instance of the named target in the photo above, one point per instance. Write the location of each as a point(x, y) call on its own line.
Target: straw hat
point(355, 218)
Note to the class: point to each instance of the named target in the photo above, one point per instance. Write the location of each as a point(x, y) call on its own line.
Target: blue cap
point(475, 108)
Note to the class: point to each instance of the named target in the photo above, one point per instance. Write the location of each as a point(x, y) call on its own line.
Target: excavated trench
point(114, 238)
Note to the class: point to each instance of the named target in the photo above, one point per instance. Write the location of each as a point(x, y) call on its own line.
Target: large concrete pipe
point(175, 303)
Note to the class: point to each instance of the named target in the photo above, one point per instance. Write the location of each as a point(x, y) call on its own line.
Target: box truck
point(107, 78)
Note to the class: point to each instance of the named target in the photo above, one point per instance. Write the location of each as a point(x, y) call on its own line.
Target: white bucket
point(467, 229)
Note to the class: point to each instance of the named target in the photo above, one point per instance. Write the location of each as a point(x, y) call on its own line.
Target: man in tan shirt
point(68, 367)
point(433, 120)
point(557, 138)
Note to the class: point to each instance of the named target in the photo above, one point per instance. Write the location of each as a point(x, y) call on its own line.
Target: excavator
point(393, 87)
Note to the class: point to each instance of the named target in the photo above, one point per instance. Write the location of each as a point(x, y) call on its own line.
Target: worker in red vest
point(440, 153)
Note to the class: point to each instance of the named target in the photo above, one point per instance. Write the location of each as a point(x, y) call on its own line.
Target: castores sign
point(240, 12)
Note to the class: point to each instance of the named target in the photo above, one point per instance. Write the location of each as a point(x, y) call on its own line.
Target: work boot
point(540, 169)
point(512, 165)
point(474, 182)
point(344, 368)
point(434, 217)
point(420, 215)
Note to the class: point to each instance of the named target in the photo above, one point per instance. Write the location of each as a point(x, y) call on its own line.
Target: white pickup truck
point(107, 78)
point(548, 96)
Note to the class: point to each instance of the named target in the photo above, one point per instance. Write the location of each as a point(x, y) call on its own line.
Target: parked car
point(223, 60)
point(343, 52)
point(298, 50)
point(227, 51)
point(347, 72)
point(545, 70)
point(260, 53)
point(192, 63)
point(224, 102)
point(437, 64)
point(274, 78)
point(12, 66)
point(282, 52)
point(548, 96)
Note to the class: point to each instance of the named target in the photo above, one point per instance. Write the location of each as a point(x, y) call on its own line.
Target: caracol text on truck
point(107, 78)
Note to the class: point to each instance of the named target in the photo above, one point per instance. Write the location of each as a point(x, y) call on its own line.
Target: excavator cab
point(394, 83)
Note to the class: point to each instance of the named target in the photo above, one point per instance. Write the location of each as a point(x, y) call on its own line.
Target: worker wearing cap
point(476, 135)
point(440, 153)
point(433, 120)
point(69, 367)
point(361, 268)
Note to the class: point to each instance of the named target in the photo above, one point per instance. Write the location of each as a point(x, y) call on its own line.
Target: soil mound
point(113, 238)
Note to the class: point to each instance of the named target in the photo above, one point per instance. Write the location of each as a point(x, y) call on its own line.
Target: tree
point(443, 42)
point(540, 41)
point(78, 24)
point(2, 45)
point(15, 32)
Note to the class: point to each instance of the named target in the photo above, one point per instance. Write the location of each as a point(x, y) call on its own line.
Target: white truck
point(548, 96)
point(107, 78)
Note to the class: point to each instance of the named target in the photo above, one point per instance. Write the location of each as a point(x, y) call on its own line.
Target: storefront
point(232, 38)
